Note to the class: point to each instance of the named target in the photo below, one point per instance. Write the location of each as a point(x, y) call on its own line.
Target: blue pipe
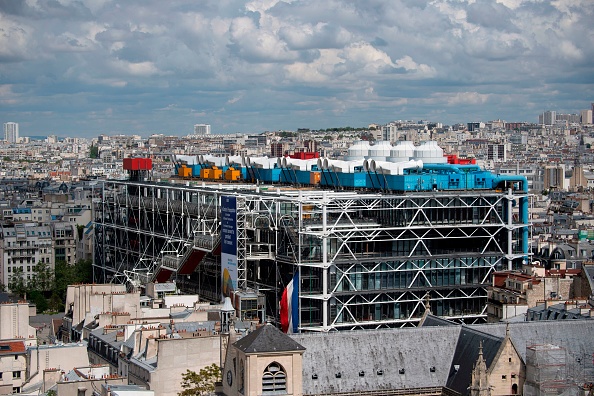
point(523, 204)
point(443, 167)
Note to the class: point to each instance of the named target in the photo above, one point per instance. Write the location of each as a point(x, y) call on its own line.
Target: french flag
point(289, 306)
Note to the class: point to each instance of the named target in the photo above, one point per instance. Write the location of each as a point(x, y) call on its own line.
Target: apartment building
point(22, 247)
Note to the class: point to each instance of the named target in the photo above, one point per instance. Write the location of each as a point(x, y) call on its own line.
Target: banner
point(228, 245)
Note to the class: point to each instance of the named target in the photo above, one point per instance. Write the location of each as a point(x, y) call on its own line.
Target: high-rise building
point(389, 133)
point(547, 118)
point(201, 129)
point(497, 152)
point(11, 132)
point(586, 116)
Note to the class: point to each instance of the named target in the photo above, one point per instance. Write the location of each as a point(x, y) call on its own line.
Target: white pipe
point(234, 160)
point(394, 168)
point(262, 162)
point(344, 166)
point(299, 164)
point(214, 161)
point(188, 159)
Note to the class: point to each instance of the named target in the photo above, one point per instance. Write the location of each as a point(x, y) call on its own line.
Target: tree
point(16, 282)
point(201, 383)
point(94, 151)
point(42, 279)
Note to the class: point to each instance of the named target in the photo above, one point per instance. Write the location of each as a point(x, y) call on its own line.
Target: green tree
point(16, 282)
point(84, 271)
point(94, 151)
point(37, 298)
point(201, 383)
point(64, 275)
point(42, 279)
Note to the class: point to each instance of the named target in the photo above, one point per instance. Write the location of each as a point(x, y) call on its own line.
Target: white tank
point(403, 151)
point(358, 151)
point(430, 153)
point(380, 151)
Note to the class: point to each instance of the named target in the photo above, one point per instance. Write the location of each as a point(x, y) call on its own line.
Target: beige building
point(22, 247)
point(514, 293)
point(155, 355)
point(85, 302)
point(14, 322)
point(266, 361)
point(80, 381)
point(13, 367)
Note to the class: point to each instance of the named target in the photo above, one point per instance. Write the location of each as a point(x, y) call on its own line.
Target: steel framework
point(365, 260)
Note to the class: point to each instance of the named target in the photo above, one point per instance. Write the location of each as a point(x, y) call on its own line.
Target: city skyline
point(75, 69)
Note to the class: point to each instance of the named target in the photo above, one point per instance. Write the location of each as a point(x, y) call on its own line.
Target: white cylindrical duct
point(262, 162)
point(380, 151)
point(215, 161)
point(234, 160)
point(188, 159)
point(394, 168)
point(358, 151)
point(403, 151)
point(429, 152)
point(343, 166)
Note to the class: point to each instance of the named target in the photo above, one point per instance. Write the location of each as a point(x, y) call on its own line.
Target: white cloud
point(364, 59)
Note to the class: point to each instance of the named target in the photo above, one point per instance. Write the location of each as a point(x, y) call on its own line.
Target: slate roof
point(417, 350)
point(589, 269)
point(466, 354)
point(576, 336)
point(267, 339)
point(432, 320)
point(388, 359)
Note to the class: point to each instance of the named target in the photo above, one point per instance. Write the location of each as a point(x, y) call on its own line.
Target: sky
point(83, 68)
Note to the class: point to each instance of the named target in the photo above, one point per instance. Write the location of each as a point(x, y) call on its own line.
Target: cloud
point(270, 64)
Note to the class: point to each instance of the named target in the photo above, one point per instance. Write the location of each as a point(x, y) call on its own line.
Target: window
point(274, 379)
point(504, 377)
point(16, 374)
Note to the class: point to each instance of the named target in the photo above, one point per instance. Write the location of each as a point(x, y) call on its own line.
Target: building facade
point(11, 132)
point(201, 129)
point(359, 259)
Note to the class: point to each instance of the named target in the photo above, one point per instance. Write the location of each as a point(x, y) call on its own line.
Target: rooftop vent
point(314, 376)
point(456, 367)
point(361, 373)
point(432, 369)
point(380, 372)
point(401, 371)
point(338, 375)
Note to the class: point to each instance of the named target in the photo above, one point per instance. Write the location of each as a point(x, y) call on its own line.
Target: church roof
point(267, 339)
point(372, 360)
point(466, 354)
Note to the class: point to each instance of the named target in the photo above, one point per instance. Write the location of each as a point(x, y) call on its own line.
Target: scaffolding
point(547, 372)
point(365, 260)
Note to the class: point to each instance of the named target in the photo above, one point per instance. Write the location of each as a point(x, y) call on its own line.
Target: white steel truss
point(365, 260)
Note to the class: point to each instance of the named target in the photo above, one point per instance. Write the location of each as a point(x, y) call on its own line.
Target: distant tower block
point(11, 132)
point(201, 129)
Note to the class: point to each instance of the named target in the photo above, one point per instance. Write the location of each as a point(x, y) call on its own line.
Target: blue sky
point(82, 68)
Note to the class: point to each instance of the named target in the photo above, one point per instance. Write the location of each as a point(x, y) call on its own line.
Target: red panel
point(148, 164)
point(190, 265)
point(134, 164)
point(163, 275)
